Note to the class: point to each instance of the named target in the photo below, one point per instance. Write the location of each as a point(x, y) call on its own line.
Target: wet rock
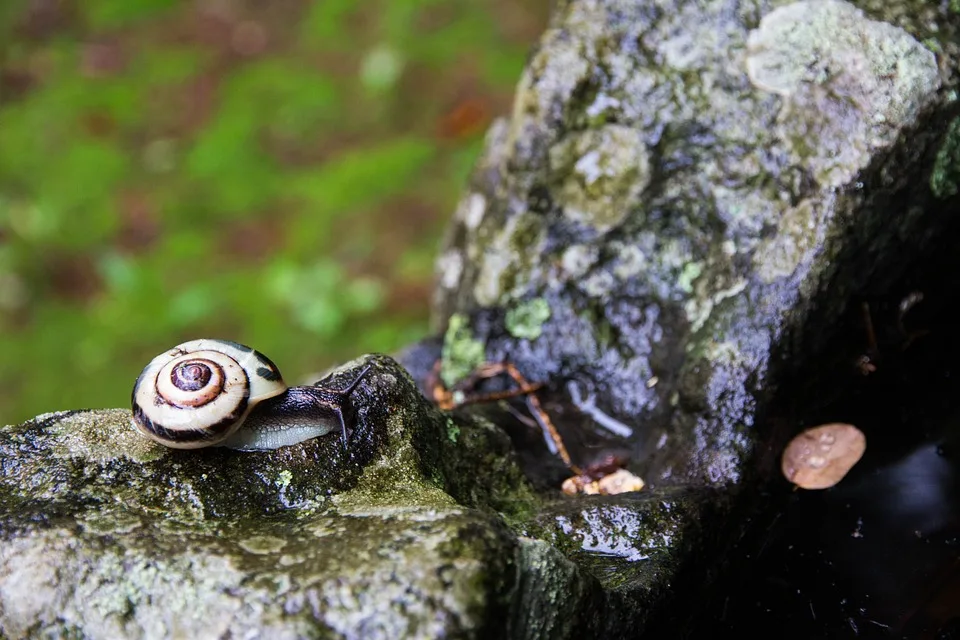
point(120, 575)
point(699, 195)
point(424, 526)
point(106, 534)
point(688, 188)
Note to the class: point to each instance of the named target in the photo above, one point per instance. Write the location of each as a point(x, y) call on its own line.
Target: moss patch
point(526, 319)
point(453, 431)
point(462, 353)
point(945, 178)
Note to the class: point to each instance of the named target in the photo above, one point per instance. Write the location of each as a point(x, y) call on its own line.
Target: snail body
point(208, 392)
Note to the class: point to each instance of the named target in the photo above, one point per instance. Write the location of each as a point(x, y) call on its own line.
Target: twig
point(447, 399)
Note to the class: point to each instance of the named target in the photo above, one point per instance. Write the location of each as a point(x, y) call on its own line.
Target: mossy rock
point(419, 528)
point(107, 534)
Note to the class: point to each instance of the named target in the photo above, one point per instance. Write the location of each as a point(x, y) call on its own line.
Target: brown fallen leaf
point(820, 457)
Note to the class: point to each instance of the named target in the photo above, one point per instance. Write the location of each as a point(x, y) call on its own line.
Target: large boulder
point(681, 184)
point(107, 534)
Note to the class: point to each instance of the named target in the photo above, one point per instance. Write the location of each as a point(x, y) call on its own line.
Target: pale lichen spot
point(849, 84)
point(450, 268)
point(262, 545)
point(462, 353)
point(797, 236)
point(508, 258)
point(577, 259)
point(283, 479)
point(601, 173)
point(631, 260)
point(471, 210)
point(691, 271)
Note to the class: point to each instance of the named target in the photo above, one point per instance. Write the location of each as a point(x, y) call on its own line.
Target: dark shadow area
point(878, 555)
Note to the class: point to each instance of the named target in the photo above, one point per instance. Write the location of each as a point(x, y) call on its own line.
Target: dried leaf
point(820, 457)
point(620, 481)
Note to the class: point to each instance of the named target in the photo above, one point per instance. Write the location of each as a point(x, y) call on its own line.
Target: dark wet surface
point(590, 444)
point(878, 555)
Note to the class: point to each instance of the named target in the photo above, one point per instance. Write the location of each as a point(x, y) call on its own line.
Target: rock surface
point(683, 204)
point(421, 529)
point(108, 535)
point(676, 184)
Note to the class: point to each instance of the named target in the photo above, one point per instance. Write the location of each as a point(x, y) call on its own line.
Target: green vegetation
point(526, 319)
point(273, 173)
point(462, 353)
point(945, 178)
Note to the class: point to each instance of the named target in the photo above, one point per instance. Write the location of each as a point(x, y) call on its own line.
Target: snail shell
point(199, 393)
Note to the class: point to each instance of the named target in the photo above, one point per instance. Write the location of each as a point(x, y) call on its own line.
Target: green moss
point(480, 469)
point(397, 478)
point(462, 353)
point(453, 431)
point(526, 319)
point(552, 588)
point(945, 178)
point(103, 436)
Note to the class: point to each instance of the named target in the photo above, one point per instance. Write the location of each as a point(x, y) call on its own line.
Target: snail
point(207, 393)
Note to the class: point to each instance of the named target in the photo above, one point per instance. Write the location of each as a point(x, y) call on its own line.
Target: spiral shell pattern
point(199, 393)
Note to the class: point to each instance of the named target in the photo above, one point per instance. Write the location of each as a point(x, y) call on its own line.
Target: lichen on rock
point(601, 174)
point(106, 534)
point(848, 83)
point(526, 319)
point(462, 353)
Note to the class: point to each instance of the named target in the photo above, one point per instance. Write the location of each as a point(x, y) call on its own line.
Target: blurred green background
point(277, 173)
